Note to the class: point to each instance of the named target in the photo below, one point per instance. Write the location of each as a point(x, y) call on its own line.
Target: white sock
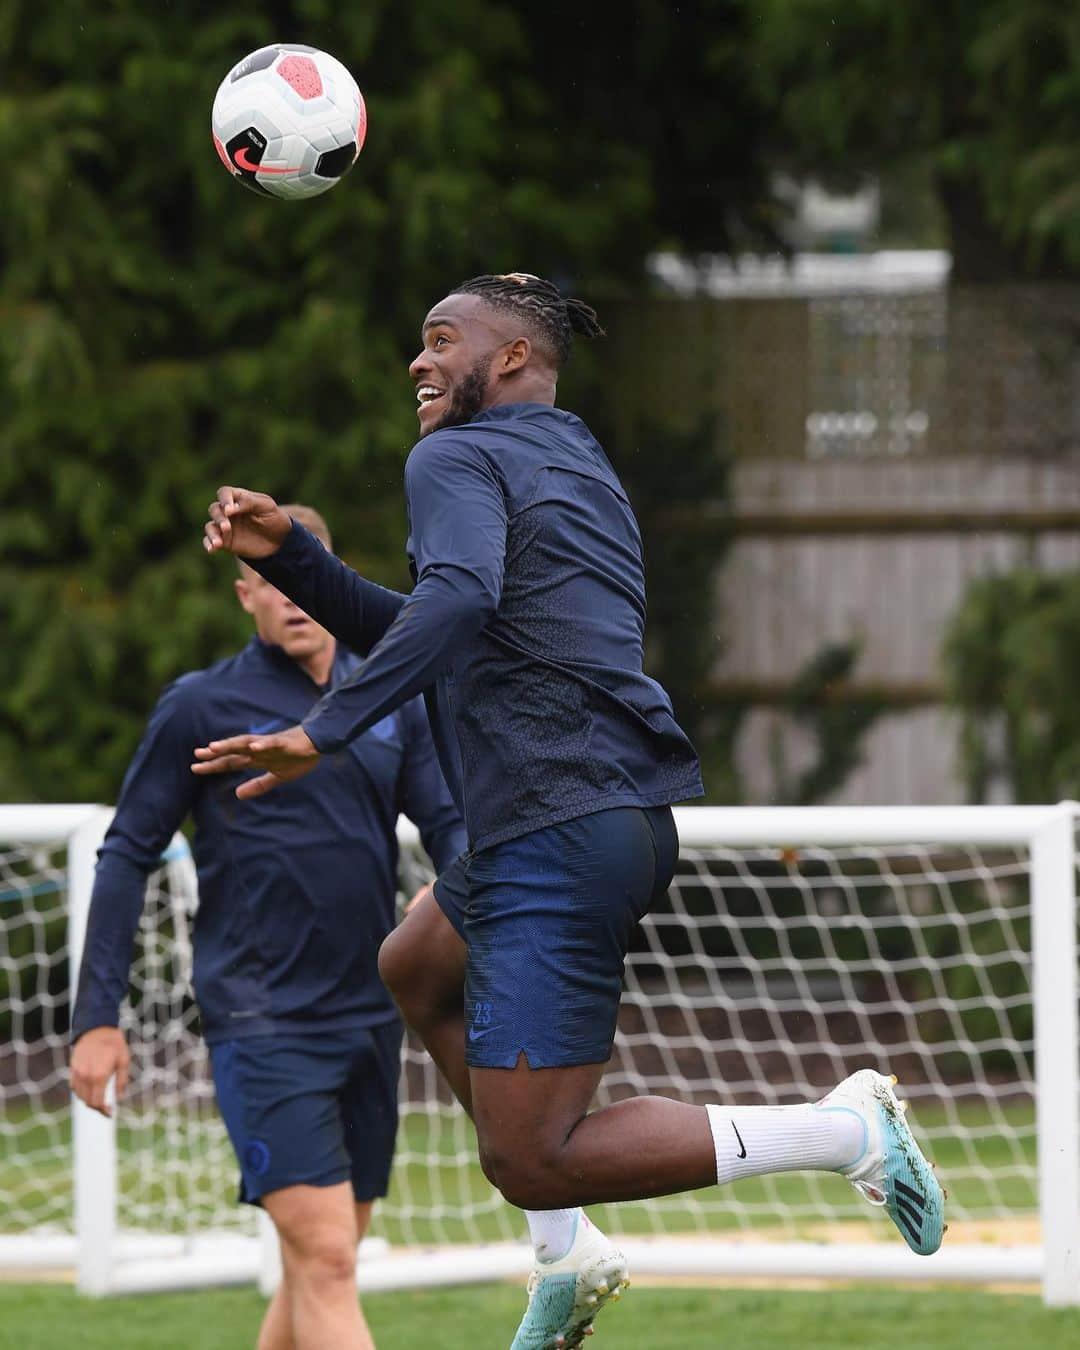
point(552, 1231)
point(752, 1140)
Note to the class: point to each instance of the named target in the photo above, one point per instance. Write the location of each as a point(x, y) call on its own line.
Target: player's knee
point(525, 1180)
point(403, 970)
point(529, 1187)
point(488, 1162)
point(321, 1255)
point(422, 991)
point(396, 962)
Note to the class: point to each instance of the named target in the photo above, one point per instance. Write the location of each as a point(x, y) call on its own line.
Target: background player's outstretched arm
point(252, 526)
point(156, 795)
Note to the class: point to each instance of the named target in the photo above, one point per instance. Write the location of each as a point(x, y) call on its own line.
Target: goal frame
point(1047, 832)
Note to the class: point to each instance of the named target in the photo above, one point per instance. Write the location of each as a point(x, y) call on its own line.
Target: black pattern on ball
point(333, 163)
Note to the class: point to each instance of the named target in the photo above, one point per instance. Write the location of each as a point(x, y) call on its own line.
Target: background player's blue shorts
point(547, 919)
point(313, 1109)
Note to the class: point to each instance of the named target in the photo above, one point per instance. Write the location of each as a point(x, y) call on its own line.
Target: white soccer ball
point(288, 121)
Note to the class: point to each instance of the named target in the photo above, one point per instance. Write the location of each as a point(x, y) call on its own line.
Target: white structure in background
point(803, 275)
point(874, 320)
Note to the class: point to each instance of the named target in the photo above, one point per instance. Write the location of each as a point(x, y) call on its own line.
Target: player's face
point(452, 374)
point(279, 622)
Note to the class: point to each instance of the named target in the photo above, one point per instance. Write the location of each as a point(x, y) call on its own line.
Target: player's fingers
point(229, 745)
point(90, 1088)
point(212, 537)
point(222, 764)
point(236, 501)
point(271, 745)
point(122, 1071)
point(258, 787)
point(209, 753)
point(100, 1104)
point(219, 516)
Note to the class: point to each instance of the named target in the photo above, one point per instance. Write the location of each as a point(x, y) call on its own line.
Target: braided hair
point(552, 318)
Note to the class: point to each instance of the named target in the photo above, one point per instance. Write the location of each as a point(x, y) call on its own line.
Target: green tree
point(984, 98)
point(1010, 659)
point(162, 331)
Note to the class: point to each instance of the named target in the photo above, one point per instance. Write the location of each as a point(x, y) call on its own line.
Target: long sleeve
point(157, 793)
point(457, 512)
point(423, 795)
point(355, 610)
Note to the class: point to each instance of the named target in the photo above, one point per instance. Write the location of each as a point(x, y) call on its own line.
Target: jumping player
point(525, 630)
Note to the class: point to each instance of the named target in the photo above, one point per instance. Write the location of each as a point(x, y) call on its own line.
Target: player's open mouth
point(427, 393)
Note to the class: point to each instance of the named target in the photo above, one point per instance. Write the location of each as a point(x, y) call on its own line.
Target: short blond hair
point(310, 519)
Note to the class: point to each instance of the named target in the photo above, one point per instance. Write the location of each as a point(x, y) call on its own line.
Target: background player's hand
point(97, 1055)
point(248, 523)
point(284, 756)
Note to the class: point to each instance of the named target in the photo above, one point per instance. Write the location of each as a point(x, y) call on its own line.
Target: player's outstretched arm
point(284, 756)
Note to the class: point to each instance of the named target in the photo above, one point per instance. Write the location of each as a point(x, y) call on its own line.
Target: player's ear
point(243, 594)
point(516, 354)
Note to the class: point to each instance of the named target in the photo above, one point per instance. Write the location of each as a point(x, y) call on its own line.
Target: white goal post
point(796, 943)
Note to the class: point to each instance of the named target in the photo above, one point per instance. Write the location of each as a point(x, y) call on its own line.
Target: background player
point(294, 898)
point(528, 612)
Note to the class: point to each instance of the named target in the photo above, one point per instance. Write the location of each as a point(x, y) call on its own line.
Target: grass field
point(44, 1317)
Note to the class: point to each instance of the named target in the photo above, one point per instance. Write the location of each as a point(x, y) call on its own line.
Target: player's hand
point(284, 756)
point(248, 523)
point(98, 1054)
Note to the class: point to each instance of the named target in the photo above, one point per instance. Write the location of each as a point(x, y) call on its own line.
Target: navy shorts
point(311, 1109)
point(547, 920)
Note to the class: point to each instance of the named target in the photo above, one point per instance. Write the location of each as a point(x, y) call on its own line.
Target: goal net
point(796, 944)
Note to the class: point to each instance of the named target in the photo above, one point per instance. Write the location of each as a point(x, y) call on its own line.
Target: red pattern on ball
point(302, 73)
point(222, 155)
point(361, 126)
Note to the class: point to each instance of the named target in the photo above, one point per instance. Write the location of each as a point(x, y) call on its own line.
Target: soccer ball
point(288, 121)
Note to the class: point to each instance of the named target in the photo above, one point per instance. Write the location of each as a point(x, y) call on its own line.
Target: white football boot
point(566, 1294)
point(892, 1172)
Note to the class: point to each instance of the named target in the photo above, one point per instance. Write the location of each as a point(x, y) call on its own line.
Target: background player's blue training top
point(528, 618)
point(296, 889)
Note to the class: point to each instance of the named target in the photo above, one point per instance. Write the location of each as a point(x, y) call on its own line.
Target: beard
point(468, 397)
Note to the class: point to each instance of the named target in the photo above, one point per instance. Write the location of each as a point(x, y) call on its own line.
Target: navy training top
point(297, 888)
point(525, 628)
